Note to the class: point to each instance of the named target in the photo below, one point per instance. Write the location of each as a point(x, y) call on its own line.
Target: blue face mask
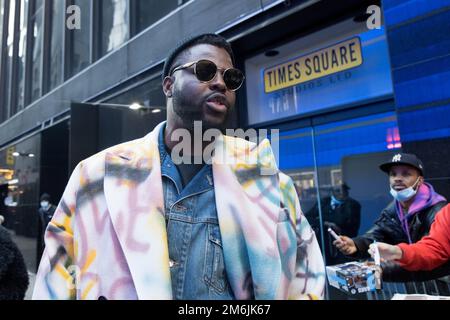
point(335, 202)
point(405, 194)
point(45, 204)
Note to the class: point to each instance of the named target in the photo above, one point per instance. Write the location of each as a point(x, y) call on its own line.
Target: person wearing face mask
point(46, 211)
point(341, 213)
point(405, 220)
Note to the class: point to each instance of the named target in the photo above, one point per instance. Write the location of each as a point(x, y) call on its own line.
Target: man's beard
point(184, 108)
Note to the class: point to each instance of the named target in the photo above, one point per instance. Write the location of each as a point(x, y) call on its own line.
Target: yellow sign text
point(337, 58)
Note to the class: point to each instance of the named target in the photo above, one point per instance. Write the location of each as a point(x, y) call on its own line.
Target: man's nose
point(218, 84)
point(398, 179)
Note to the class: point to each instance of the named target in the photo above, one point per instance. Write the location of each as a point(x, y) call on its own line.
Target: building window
point(22, 54)
point(114, 26)
point(339, 159)
point(8, 70)
point(56, 43)
point(2, 13)
point(37, 23)
point(147, 12)
point(1, 30)
point(1, 19)
point(79, 40)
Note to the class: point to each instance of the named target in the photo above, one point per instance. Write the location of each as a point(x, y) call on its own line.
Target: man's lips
point(399, 187)
point(217, 103)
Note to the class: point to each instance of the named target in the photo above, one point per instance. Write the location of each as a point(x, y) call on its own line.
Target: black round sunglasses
point(206, 71)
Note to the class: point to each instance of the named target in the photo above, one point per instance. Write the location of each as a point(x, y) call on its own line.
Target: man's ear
point(168, 86)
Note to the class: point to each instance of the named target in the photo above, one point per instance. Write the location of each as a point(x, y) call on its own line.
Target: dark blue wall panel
point(399, 11)
point(418, 34)
point(426, 38)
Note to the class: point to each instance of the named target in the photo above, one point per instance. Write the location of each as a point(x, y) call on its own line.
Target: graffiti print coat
point(108, 237)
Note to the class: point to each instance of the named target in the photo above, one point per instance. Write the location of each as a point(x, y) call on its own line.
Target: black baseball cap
point(405, 159)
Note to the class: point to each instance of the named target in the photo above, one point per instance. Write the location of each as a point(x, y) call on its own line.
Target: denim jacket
point(195, 247)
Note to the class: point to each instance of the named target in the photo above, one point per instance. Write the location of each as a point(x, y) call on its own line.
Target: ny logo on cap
point(397, 158)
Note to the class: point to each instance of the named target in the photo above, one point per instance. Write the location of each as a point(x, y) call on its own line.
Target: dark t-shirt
point(188, 171)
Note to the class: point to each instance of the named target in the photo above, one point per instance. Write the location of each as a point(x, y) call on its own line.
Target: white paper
point(376, 255)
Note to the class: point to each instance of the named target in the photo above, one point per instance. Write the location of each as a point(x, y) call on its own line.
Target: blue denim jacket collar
point(201, 182)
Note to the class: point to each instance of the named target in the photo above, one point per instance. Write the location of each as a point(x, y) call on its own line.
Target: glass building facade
point(36, 50)
point(56, 61)
point(46, 42)
point(78, 36)
point(114, 26)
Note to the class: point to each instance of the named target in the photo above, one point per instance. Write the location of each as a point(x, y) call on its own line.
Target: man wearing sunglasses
point(134, 223)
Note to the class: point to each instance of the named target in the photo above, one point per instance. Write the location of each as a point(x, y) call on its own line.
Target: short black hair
point(206, 38)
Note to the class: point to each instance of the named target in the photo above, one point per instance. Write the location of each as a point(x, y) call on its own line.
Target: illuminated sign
point(339, 57)
point(9, 156)
point(311, 75)
point(6, 175)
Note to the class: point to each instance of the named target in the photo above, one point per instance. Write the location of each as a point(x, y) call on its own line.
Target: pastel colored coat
point(108, 237)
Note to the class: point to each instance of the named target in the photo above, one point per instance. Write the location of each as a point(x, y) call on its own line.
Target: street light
point(23, 154)
point(135, 106)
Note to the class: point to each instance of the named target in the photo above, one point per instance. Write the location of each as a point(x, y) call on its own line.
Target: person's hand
point(387, 251)
point(345, 245)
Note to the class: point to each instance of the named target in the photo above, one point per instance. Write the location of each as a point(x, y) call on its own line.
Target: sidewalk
point(27, 247)
point(32, 278)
